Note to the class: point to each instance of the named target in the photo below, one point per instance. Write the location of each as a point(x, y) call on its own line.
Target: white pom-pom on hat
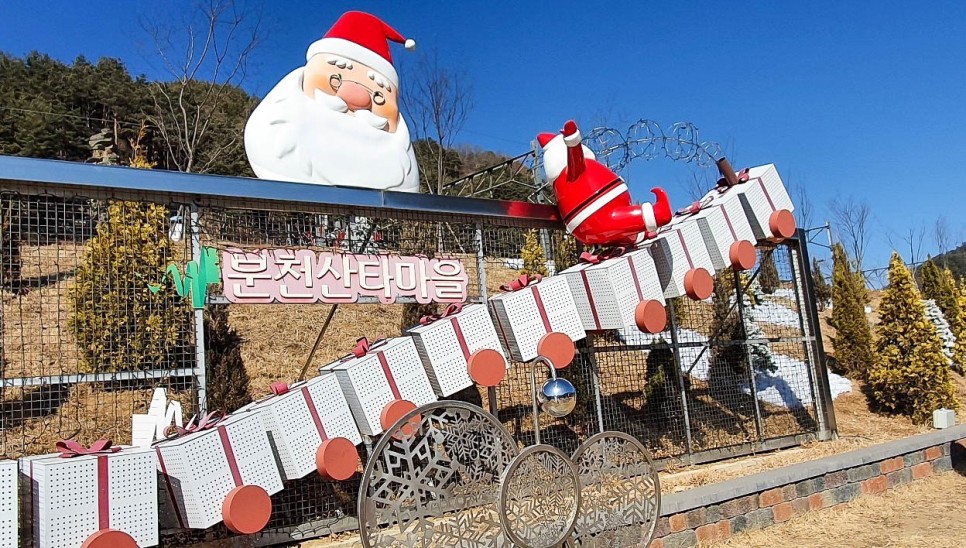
point(410, 44)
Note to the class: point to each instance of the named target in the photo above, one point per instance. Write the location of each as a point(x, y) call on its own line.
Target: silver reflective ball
point(557, 397)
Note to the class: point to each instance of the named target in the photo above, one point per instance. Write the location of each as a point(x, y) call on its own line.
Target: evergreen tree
point(768, 275)
point(228, 382)
point(940, 288)
point(853, 337)
point(534, 260)
point(823, 291)
point(660, 388)
point(565, 252)
point(911, 376)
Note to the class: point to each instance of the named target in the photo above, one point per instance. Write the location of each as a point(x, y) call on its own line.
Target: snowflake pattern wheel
point(621, 493)
point(539, 497)
point(433, 480)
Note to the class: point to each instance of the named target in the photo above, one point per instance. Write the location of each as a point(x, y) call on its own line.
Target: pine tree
point(911, 375)
point(823, 291)
point(228, 382)
point(768, 275)
point(936, 286)
point(958, 323)
point(853, 337)
point(118, 322)
point(534, 261)
point(660, 388)
point(565, 252)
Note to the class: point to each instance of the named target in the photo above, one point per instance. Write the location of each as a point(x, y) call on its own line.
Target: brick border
point(715, 512)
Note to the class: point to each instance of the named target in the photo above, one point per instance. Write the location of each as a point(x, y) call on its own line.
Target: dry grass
point(928, 512)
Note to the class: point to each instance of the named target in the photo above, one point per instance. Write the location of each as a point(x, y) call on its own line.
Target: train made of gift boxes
point(224, 467)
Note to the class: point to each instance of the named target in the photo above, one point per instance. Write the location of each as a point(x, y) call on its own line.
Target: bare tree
point(439, 100)
point(803, 206)
point(942, 234)
point(207, 58)
point(852, 218)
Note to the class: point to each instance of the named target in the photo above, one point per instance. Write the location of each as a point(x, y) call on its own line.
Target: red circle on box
point(486, 367)
point(650, 316)
point(246, 509)
point(558, 348)
point(742, 255)
point(395, 410)
point(110, 538)
point(698, 284)
point(782, 224)
point(337, 459)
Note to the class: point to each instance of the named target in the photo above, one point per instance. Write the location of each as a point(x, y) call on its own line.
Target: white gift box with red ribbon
point(446, 344)
point(531, 308)
point(72, 495)
point(679, 253)
point(763, 198)
point(300, 417)
point(607, 288)
point(208, 460)
point(9, 504)
point(723, 226)
point(374, 376)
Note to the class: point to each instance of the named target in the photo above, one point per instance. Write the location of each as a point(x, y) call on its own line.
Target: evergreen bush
point(823, 291)
point(853, 336)
point(768, 275)
point(534, 260)
point(910, 375)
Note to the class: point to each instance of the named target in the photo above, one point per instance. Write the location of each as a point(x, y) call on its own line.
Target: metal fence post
point(672, 325)
point(819, 368)
point(200, 371)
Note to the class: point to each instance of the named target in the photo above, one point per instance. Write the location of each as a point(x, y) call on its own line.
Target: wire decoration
point(646, 140)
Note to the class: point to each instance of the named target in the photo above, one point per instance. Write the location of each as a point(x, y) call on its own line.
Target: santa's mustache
point(335, 103)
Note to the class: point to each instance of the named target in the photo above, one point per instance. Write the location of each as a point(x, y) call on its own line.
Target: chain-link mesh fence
point(93, 320)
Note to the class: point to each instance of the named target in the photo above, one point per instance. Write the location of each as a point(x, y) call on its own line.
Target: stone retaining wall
point(715, 512)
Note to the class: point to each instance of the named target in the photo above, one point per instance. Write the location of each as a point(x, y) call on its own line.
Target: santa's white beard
point(291, 137)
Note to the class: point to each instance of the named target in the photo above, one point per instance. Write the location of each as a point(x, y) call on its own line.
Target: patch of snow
point(515, 264)
point(785, 292)
point(774, 313)
point(789, 386)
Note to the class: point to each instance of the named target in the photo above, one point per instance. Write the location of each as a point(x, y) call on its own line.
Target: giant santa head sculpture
point(336, 120)
point(594, 202)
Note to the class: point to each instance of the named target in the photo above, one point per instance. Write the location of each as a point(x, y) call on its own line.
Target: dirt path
point(928, 512)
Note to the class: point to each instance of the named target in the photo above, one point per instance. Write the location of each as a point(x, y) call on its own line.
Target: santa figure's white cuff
point(647, 211)
point(572, 140)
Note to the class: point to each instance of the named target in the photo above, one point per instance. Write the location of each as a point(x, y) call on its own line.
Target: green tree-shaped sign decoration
point(198, 275)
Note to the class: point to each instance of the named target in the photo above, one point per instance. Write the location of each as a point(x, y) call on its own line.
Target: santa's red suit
point(594, 202)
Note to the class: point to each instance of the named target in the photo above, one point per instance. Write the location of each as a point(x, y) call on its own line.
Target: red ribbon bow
point(590, 258)
point(451, 310)
point(207, 422)
point(522, 281)
point(363, 347)
point(71, 448)
point(742, 177)
point(694, 207)
point(278, 388)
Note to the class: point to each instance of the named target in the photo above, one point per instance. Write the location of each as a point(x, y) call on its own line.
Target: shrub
point(118, 322)
point(853, 336)
point(228, 382)
point(823, 291)
point(910, 376)
point(661, 389)
point(768, 275)
point(534, 260)
point(565, 252)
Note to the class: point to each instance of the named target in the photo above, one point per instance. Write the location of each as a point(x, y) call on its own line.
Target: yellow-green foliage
point(118, 322)
point(534, 261)
point(910, 375)
point(958, 323)
point(853, 336)
point(565, 252)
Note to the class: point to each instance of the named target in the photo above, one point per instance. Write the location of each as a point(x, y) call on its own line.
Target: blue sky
point(861, 99)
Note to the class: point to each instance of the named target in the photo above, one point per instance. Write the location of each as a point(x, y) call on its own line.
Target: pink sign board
point(305, 276)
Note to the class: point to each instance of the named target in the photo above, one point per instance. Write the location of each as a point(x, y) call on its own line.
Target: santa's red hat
point(364, 38)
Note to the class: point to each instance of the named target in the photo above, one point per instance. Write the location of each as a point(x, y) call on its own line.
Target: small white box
point(943, 418)
point(722, 224)
point(299, 420)
point(607, 293)
point(70, 499)
point(9, 504)
point(524, 316)
point(764, 199)
point(677, 250)
point(446, 344)
point(390, 370)
point(198, 471)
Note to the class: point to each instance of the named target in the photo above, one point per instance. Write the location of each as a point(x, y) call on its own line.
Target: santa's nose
point(356, 96)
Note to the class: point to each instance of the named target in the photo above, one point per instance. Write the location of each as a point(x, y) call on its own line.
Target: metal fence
point(90, 324)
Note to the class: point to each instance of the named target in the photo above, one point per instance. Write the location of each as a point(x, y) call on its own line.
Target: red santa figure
point(594, 202)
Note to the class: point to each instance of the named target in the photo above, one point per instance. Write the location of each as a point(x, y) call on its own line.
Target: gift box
point(9, 504)
point(683, 264)
point(377, 378)
point(460, 347)
point(97, 496)
point(303, 420)
point(220, 468)
point(531, 308)
point(727, 233)
point(765, 201)
point(610, 288)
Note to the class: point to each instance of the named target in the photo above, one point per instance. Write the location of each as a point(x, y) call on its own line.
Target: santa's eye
point(378, 98)
point(335, 81)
